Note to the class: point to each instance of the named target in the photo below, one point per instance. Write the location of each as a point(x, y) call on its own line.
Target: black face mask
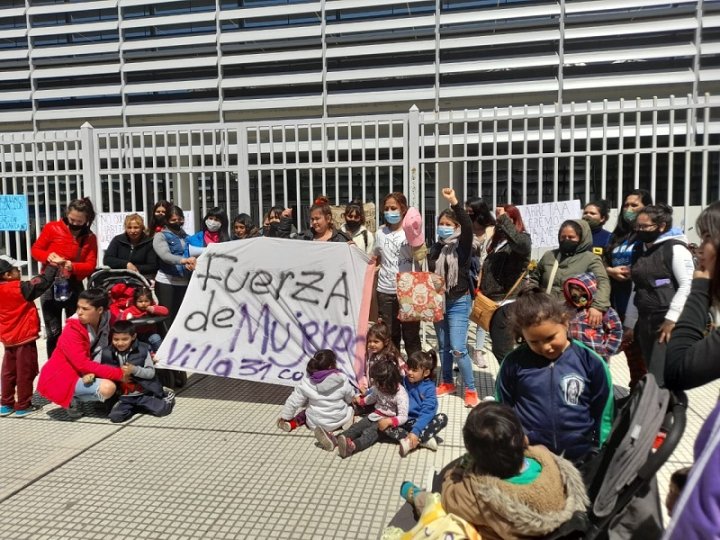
point(175, 227)
point(160, 219)
point(569, 247)
point(76, 228)
point(352, 226)
point(647, 237)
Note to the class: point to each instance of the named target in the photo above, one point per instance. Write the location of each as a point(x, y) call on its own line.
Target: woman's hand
point(55, 259)
point(131, 266)
point(595, 317)
point(665, 331)
point(628, 336)
point(287, 213)
point(189, 263)
point(384, 423)
point(449, 194)
point(88, 378)
point(619, 273)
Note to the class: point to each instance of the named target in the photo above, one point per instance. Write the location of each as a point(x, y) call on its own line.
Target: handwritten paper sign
point(258, 310)
point(543, 221)
point(109, 225)
point(13, 213)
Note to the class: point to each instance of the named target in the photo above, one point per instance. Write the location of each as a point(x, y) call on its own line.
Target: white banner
point(258, 309)
point(543, 222)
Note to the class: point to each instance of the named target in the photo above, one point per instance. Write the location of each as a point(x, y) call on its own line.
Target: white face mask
point(212, 225)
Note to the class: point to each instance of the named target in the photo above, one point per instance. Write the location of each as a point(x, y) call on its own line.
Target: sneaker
point(168, 394)
point(471, 398)
point(22, 413)
point(406, 446)
point(327, 440)
point(73, 411)
point(346, 446)
point(6, 410)
point(478, 359)
point(445, 388)
point(284, 425)
point(408, 491)
point(430, 444)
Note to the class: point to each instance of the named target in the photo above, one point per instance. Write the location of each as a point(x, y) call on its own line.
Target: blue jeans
point(480, 336)
point(452, 340)
point(88, 392)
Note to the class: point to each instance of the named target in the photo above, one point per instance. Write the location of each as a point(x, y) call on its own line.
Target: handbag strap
point(552, 276)
point(518, 281)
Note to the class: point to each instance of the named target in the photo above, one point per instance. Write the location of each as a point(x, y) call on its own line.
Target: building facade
point(121, 63)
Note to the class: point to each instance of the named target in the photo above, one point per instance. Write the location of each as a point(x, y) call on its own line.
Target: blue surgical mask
point(445, 231)
point(392, 217)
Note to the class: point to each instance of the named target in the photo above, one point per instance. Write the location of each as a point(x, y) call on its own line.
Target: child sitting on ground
point(424, 422)
point(322, 398)
point(377, 341)
point(604, 340)
point(391, 407)
point(505, 488)
point(142, 392)
point(560, 388)
point(144, 306)
point(19, 330)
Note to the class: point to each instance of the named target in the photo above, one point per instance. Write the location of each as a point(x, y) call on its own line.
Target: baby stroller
point(120, 284)
point(621, 479)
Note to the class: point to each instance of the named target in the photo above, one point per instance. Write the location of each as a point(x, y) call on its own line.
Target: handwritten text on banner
point(258, 309)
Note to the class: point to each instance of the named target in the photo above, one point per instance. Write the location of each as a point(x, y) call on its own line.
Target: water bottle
point(61, 287)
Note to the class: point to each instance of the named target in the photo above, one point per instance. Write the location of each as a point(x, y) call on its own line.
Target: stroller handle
point(678, 413)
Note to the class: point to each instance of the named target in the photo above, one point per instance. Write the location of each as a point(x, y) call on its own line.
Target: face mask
point(594, 223)
point(569, 247)
point(352, 226)
point(75, 228)
point(212, 225)
point(445, 231)
point(160, 218)
point(630, 216)
point(392, 217)
point(176, 227)
point(647, 236)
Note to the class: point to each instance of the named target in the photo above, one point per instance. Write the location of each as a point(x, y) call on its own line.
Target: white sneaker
point(430, 444)
point(478, 359)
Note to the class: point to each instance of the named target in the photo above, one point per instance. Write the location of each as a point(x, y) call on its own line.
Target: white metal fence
point(522, 155)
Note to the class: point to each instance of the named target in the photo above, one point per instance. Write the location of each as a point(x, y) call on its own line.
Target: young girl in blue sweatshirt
point(424, 422)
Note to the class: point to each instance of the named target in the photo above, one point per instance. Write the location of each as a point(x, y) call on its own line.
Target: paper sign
point(258, 310)
point(108, 225)
point(543, 221)
point(13, 213)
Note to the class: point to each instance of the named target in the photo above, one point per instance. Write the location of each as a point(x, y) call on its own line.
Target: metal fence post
point(413, 156)
point(88, 155)
point(243, 175)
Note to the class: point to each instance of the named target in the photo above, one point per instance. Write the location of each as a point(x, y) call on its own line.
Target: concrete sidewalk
point(219, 468)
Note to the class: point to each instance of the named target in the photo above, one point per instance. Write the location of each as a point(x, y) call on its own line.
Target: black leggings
point(171, 297)
point(52, 311)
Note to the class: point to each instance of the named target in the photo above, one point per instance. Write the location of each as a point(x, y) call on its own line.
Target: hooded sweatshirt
point(503, 510)
point(605, 339)
point(326, 398)
point(678, 277)
point(582, 261)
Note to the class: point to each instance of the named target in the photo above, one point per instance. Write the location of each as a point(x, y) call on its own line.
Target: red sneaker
point(445, 388)
point(471, 398)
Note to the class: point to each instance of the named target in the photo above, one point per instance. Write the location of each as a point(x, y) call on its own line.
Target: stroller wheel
point(180, 379)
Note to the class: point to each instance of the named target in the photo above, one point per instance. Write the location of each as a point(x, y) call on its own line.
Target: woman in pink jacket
point(72, 372)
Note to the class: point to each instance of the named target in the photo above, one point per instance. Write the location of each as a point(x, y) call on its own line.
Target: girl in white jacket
point(322, 399)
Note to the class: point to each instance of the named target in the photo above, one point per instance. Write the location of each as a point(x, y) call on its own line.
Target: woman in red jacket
point(72, 374)
point(67, 241)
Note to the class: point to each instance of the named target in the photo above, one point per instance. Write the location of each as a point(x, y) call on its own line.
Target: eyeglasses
point(650, 227)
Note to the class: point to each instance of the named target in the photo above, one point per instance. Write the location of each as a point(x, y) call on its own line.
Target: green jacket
point(584, 260)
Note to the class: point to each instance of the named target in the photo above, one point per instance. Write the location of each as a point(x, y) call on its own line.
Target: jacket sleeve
point(505, 384)
point(403, 404)
point(41, 248)
point(162, 250)
point(613, 332)
point(75, 344)
point(683, 268)
point(519, 242)
point(537, 276)
point(601, 300)
point(284, 228)
point(150, 264)
point(601, 397)
point(39, 284)
point(428, 410)
point(146, 371)
point(692, 357)
point(348, 392)
point(158, 310)
point(83, 268)
point(295, 401)
point(111, 257)
point(466, 234)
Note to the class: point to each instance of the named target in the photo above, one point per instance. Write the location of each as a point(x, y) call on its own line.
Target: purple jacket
point(697, 513)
